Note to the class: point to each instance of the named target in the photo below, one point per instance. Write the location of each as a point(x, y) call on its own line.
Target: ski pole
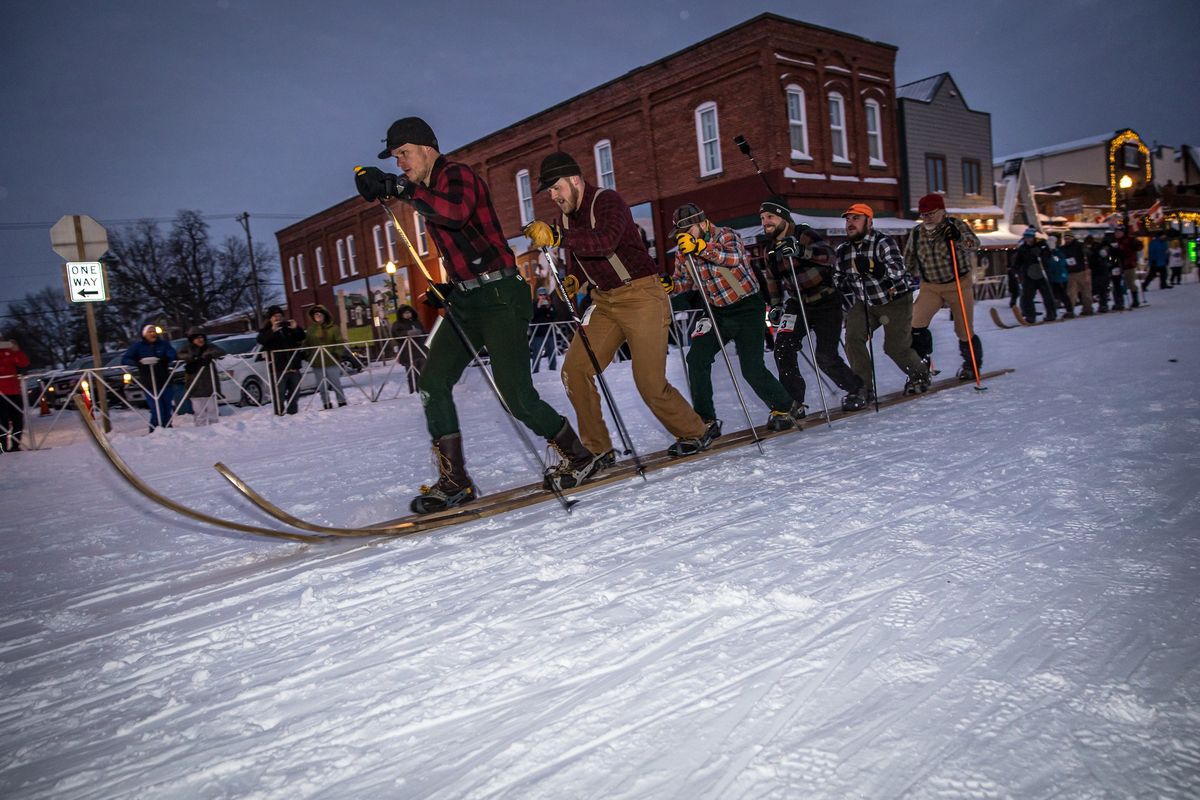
point(744, 146)
point(810, 335)
point(966, 325)
point(721, 344)
point(622, 431)
point(462, 335)
point(862, 285)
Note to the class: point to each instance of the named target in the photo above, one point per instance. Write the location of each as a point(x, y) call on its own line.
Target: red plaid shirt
point(459, 215)
point(722, 259)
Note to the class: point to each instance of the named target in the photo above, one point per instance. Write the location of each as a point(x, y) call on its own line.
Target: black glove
point(788, 247)
point(432, 298)
point(953, 234)
point(375, 184)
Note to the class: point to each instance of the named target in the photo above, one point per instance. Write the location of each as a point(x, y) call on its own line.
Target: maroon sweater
point(587, 248)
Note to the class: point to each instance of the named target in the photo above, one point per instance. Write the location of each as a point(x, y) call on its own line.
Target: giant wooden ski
point(532, 494)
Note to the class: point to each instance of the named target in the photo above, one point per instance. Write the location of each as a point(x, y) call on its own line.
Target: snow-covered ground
point(976, 594)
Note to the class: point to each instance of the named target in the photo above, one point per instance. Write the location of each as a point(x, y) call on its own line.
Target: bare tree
point(49, 328)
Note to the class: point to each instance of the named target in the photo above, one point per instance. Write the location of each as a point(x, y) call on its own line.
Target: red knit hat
point(930, 202)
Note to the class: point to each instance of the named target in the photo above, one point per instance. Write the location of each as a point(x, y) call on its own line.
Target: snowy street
point(972, 595)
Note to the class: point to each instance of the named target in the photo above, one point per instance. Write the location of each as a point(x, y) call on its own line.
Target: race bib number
point(702, 327)
point(1070, 262)
point(587, 316)
point(787, 323)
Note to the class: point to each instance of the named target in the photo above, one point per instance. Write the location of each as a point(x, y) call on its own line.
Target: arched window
point(321, 278)
point(708, 139)
point(837, 128)
point(340, 244)
point(606, 176)
point(353, 254)
point(422, 241)
point(874, 133)
point(301, 270)
point(380, 247)
point(797, 122)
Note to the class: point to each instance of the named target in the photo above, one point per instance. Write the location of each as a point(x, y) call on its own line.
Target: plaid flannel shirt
point(813, 267)
point(587, 249)
point(462, 221)
point(927, 253)
point(871, 266)
point(723, 259)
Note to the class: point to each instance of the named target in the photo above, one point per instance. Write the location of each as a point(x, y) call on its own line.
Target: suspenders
point(613, 260)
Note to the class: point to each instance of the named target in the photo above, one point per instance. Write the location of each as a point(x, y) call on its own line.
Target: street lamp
point(1125, 183)
point(391, 271)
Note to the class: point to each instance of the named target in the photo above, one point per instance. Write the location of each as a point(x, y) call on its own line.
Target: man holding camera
point(487, 297)
point(279, 339)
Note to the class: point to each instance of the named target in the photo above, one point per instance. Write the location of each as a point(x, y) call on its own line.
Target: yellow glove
point(570, 285)
point(542, 235)
point(689, 244)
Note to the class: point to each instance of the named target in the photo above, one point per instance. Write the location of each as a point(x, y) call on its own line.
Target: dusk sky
point(126, 110)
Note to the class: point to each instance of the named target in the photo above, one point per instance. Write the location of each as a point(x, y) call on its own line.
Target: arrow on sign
point(88, 292)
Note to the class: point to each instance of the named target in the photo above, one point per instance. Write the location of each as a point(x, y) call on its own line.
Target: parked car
point(119, 380)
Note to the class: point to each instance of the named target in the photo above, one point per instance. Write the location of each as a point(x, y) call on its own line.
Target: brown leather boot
point(454, 486)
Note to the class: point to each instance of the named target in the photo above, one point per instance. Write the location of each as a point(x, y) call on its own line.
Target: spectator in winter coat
point(410, 348)
point(1175, 261)
point(541, 327)
point(1157, 256)
point(1059, 277)
point(1097, 256)
point(1079, 275)
point(1033, 265)
point(153, 356)
point(1127, 248)
point(328, 345)
point(934, 249)
point(725, 277)
point(280, 339)
point(197, 357)
point(12, 405)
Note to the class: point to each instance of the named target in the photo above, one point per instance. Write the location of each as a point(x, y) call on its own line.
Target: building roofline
point(624, 76)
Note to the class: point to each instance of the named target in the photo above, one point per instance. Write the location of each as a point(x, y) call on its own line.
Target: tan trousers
point(933, 297)
point(639, 314)
point(1079, 290)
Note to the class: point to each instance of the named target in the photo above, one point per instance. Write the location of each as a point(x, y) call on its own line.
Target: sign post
point(81, 241)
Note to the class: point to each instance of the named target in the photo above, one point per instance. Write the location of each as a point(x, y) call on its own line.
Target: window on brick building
point(353, 254)
point(321, 278)
point(340, 245)
point(524, 198)
point(874, 133)
point(606, 176)
point(708, 137)
point(292, 273)
point(422, 241)
point(301, 271)
point(971, 172)
point(797, 122)
point(837, 128)
point(935, 173)
point(390, 228)
point(380, 247)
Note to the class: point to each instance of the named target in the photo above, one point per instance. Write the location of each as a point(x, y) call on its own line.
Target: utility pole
point(245, 220)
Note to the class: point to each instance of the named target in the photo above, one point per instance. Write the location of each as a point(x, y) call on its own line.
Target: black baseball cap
point(410, 130)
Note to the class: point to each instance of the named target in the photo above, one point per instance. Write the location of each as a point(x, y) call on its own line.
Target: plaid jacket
point(872, 266)
point(927, 253)
point(462, 221)
point(724, 269)
point(813, 267)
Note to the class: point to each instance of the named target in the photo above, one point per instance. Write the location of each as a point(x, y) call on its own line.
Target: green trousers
point(743, 323)
point(495, 317)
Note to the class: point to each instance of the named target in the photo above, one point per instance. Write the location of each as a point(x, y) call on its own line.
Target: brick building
point(817, 105)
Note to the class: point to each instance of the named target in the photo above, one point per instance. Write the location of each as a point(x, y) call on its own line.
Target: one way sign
point(85, 282)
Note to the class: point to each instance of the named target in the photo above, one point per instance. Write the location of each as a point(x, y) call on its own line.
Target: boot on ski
point(690, 445)
point(967, 371)
point(578, 464)
point(780, 421)
point(918, 380)
point(799, 411)
point(454, 486)
point(855, 401)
